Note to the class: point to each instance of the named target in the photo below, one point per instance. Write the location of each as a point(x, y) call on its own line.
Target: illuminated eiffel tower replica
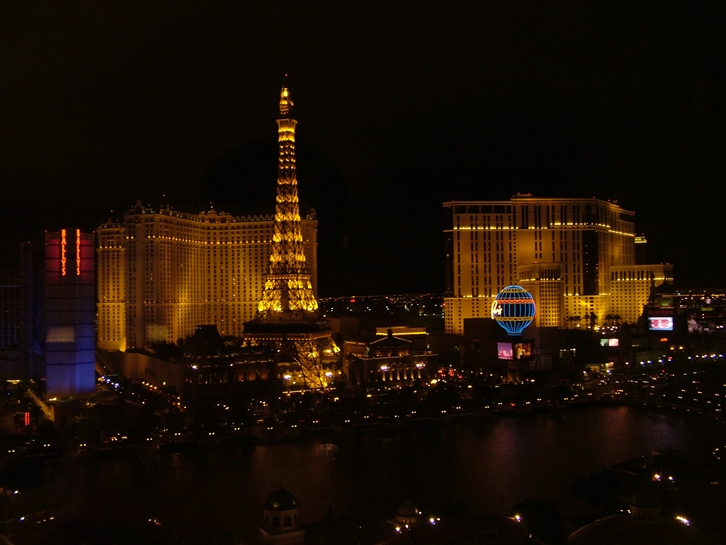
point(287, 315)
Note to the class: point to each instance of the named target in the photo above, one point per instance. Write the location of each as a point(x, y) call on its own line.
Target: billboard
point(514, 351)
point(660, 319)
point(504, 351)
point(522, 351)
point(660, 323)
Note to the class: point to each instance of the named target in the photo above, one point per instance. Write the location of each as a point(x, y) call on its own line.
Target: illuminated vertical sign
point(78, 252)
point(26, 418)
point(63, 252)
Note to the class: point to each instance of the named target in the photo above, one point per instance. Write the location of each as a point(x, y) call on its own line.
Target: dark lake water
point(486, 465)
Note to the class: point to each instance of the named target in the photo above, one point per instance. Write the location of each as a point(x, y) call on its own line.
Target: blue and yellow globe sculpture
point(513, 309)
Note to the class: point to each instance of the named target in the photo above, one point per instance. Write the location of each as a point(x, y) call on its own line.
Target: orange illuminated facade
point(163, 272)
point(577, 257)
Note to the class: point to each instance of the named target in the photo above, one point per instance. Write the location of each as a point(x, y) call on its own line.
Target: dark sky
point(402, 105)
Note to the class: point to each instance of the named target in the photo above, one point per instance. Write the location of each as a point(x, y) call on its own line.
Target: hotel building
point(58, 312)
point(163, 272)
point(577, 257)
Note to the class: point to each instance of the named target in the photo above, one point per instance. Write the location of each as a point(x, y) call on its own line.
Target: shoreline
point(256, 436)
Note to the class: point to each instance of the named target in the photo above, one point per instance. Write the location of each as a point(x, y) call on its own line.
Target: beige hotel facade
point(577, 257)
point(163, 272)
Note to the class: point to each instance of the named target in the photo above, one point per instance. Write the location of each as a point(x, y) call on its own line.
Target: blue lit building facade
point(59, 308)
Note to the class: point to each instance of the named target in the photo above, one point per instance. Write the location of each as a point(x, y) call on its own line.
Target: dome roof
point(630, 530)
point(407, 510)
point(281, 500)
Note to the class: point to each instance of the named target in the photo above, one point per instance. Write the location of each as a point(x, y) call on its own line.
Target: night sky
point(401, 105)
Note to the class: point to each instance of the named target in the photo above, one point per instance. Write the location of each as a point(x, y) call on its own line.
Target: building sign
point(660, 319)
point(78, 252)
point(661, 323)
point(63, 252)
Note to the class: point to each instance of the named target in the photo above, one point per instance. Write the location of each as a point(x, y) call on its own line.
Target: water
point(485, 465)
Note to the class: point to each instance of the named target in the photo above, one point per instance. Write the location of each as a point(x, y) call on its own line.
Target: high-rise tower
point(576, 256)
point(288, 293)
point(58, 329)
point(287, 315)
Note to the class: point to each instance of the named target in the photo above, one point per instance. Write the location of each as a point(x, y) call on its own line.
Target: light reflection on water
point(485, 465)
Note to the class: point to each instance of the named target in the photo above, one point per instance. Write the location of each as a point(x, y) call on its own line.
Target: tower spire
point(286, 103)
point(287, 315)
point(288, 292)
